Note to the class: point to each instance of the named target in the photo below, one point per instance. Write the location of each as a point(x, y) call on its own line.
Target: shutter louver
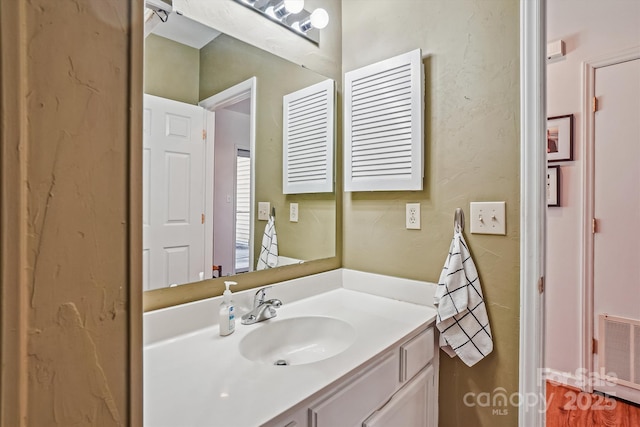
point(308, 139)
point(384, 125)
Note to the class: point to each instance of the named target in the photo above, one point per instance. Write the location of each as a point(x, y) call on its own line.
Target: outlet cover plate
point(488, 218)
point(293, 212)
point(413, 216)
point(263, 211)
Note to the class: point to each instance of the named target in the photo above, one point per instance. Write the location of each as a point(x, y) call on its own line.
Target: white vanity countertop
point(200, 378)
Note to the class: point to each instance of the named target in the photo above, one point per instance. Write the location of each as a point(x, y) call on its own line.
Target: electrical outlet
point(263, 211)
point(293, 212)
point(488, 218)
point(413, 216)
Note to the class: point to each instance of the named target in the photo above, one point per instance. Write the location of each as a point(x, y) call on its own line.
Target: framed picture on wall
point(560, 138)
point(553, 186)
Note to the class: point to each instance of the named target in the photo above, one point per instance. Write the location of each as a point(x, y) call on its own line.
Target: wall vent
point(620, 350)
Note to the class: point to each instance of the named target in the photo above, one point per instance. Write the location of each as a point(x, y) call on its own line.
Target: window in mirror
point(243, 210)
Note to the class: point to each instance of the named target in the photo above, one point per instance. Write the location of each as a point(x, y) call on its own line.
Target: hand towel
point(269, 251)
point(462, 314)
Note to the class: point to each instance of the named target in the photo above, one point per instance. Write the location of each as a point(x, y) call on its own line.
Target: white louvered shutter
point(308, 135)
point(384, 121)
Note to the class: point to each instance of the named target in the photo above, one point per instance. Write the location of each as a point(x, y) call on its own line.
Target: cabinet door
point(351, 404)
point(416, 354)
point(410, 407)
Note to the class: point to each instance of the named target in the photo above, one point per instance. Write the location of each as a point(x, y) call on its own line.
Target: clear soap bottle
point(227, 311)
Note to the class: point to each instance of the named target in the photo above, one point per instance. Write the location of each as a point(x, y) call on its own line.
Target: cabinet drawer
point(416, 354)
point(356, 401)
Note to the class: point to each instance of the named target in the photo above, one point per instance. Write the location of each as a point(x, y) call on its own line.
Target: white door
point(617, 191)
point(173, 190)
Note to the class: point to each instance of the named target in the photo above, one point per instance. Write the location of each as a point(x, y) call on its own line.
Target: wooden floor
point(569, 407)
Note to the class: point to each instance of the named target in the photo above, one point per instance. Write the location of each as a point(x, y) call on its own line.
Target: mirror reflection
point(213, 126)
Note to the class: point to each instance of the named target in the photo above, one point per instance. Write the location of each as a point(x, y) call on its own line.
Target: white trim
point(232, 268)
point(569, 379)
point(588, 207)
point(239, 92)
point(230, 96)
point(209, 189)
point(532, 207)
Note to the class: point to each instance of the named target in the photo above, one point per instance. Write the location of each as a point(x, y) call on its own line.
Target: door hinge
point(203, 218)
point(594, 346)
point(204, 134)
point(595, 104)
point(594, 226)
point(541, 285)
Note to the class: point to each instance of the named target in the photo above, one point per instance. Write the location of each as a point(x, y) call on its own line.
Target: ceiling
point(186, 31)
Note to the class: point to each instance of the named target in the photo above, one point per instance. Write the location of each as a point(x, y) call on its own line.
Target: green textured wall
point(227, 61)
point(471, 50)
point(171, 69)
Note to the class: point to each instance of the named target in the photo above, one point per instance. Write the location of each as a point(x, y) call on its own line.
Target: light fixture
point(284, 8)
point(293, 6)
point(292, 15)
point(319, 19)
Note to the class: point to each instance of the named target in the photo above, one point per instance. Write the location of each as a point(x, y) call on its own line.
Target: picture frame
point(560, 138)
point(553, 186)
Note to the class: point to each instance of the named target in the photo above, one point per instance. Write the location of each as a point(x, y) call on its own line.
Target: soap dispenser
point(227, 311)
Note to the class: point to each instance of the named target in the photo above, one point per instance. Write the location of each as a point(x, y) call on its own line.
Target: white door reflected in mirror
point(173, 190)
point(182, 174)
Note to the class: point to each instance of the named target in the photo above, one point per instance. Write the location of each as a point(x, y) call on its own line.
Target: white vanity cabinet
point(396, 388)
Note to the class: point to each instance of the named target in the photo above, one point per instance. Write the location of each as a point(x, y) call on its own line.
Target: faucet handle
point(276, 303)
point(260, 295)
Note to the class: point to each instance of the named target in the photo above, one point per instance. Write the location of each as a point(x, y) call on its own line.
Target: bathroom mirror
point(185, 63)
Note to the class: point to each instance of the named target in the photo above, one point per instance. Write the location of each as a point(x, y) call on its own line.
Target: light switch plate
point(413, 216)
point(263, 211)
point(488, 218)
point(293, 212)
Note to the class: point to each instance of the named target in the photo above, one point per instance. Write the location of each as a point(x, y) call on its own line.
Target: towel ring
point(273, 212)
point(458, 220)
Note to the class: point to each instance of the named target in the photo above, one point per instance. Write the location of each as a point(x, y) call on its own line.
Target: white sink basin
point(297, 341)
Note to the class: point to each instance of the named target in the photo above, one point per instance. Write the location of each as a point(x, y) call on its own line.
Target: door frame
point(533, 206)
point(589, 68)
point(241, 91)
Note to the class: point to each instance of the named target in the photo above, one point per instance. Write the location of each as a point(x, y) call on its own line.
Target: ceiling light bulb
point(319, 18)
point(270, 12)
point(294, 6)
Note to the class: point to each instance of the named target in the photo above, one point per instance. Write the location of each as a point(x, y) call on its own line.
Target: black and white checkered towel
point(462, 315)
point(269, 251)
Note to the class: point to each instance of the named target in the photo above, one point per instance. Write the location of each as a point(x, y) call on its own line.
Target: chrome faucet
point(262, 310)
